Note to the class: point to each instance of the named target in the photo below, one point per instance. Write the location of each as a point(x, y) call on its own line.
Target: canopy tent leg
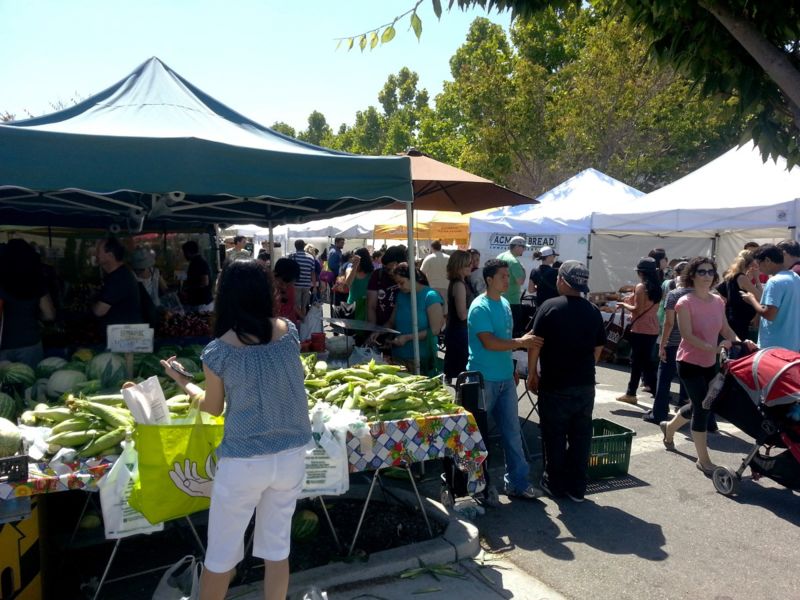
point(413, 284)
point(271, 245)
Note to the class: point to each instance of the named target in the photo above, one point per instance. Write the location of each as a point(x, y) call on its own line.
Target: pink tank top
point(707, 317)
point(647, 322)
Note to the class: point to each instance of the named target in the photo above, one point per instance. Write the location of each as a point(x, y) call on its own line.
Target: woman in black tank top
point(460, 295)
point(739, 278)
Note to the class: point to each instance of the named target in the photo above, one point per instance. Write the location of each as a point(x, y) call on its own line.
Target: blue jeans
point(501, 403)
point(666, 371)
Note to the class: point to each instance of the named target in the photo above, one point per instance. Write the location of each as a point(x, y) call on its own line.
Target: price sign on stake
point(130, 338)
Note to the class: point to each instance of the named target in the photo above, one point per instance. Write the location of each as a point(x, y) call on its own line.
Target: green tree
point(284, 128)
point(318, 129)
point(741, 48)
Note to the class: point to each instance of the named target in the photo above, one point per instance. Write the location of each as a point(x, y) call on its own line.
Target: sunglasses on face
point(706, 272)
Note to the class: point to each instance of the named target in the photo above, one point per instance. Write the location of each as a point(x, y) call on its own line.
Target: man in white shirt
point(435, 268)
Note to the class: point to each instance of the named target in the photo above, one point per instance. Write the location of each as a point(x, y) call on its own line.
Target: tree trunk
point(774, 62)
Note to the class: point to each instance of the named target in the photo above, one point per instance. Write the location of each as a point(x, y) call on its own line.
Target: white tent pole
point(271, 244)
point(413, 283)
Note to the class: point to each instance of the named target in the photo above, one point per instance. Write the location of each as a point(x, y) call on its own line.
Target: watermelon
point(148, 365)
point(75, 365)
point(167, 351)
point(8, 407)
point(62, 382)
point(10, 437)
point(305, 525)
point(17, 375)
point(50, 365)
point(109, 369)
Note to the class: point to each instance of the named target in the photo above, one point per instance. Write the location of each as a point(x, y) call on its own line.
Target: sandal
point(669, 445)
point(707, 471)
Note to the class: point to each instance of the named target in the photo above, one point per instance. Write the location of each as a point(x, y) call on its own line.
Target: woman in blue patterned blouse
point(253, 373)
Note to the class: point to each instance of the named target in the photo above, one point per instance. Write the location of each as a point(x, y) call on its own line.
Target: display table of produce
point(398, 443)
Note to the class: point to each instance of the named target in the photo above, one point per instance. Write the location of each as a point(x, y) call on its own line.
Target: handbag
point(614, 333)
point(176, 467)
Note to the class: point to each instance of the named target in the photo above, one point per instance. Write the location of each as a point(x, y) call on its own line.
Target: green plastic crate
point(610, 454)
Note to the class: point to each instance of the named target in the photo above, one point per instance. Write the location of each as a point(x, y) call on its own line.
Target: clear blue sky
point(270, 60)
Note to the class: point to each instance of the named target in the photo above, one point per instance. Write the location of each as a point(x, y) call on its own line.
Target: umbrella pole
point(413, 284)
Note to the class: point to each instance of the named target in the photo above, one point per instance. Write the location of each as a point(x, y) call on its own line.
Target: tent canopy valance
point(153, 148)
point(736, 192)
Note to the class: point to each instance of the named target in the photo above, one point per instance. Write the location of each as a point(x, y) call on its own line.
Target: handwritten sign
point(130, 338)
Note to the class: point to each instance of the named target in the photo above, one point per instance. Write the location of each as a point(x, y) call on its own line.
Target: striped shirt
point(306, 263)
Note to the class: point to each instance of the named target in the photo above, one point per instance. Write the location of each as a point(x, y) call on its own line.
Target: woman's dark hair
point(324, 256)
point(365, 266)
point(21, 271)
point(244, 302)
point(657, 254)
point(402, 270)
point(694, 264)
point(652, 280)
point(287, 270)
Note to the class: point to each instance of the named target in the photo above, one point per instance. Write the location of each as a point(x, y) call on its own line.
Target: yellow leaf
point(362, 42)
point(373, 40)
point(388, 35)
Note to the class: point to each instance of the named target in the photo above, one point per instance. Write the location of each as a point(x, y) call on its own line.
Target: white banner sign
point(130, 338)
point(499, 241)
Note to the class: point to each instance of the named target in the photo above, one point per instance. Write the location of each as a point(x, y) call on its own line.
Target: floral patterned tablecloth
point(78, 475)
point(391, 443)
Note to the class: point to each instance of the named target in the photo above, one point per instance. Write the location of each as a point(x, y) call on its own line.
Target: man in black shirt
point(197, 295)
point(570, 336)
point(118, 301)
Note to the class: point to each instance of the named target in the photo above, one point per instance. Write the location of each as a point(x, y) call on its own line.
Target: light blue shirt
point(783, 292)
point(266, 409)
point(490, 316)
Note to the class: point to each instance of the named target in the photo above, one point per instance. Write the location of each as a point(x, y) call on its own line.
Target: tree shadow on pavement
point(612, 530)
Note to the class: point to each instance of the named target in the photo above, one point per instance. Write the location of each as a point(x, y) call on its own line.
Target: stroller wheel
point(446, 498)
point(726, 482)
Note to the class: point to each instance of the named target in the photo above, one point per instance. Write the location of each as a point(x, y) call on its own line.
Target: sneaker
point(529, 493)
point(544, 484)
point(627, 399)
point(490, 497)
point(575, 498)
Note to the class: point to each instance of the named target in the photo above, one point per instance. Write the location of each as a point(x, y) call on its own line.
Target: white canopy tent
point(713, 210)
point(562, 220)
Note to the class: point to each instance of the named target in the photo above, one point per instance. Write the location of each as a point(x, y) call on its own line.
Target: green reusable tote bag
point(176, 467)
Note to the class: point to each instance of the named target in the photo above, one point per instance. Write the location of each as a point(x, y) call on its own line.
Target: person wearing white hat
point(143, 263)
point(543, 279)
point(516, 246)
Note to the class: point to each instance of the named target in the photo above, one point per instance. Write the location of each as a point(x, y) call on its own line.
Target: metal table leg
point(330, 524)
point(107, 569)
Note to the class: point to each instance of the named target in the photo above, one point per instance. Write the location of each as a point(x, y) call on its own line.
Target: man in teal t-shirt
point(780, 321)
point(489, 326)
point(516, 246)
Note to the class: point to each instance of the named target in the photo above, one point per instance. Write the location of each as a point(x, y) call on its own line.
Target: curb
point(459, 541)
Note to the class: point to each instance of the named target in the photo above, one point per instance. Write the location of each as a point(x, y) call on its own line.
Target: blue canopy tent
point(154, 151)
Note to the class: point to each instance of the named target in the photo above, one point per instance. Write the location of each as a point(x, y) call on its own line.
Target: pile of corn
point(380, 392)
point(94, 425)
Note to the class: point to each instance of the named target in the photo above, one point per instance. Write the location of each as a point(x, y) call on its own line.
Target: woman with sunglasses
point(701, 319)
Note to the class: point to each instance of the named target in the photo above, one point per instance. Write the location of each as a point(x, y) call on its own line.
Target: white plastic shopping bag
point(326, 462)
point(119, 519)
point(181, 581)
point(312, 323)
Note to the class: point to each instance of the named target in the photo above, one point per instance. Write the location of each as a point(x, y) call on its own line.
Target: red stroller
point(760, 395)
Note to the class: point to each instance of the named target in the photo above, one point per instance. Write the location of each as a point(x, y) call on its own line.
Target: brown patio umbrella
point(439, 186)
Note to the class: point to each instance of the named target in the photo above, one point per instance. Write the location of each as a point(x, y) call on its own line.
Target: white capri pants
point(268, 484)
